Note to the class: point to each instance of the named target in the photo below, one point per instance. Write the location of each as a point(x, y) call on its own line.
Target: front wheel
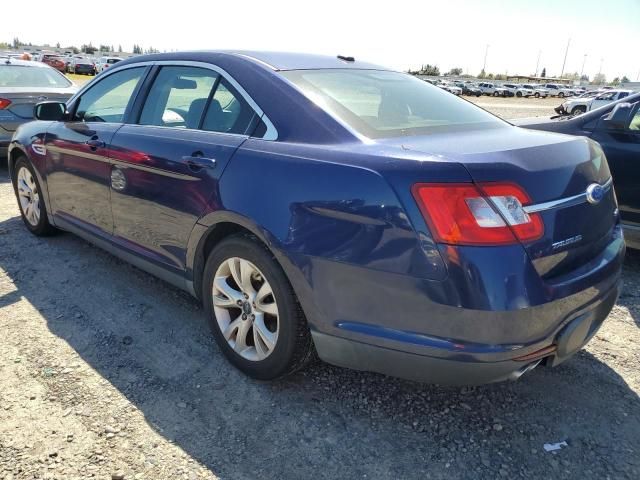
point(253, 311)
point(28, 193)
point(579, 110)
point(561, 95)
point(518, 94)
point(496, 94)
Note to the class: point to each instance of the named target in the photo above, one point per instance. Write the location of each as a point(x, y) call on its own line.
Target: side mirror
point(53, 111)
point(619, 116)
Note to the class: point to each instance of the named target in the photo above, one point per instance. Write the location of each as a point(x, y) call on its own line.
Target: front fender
point(22, 143)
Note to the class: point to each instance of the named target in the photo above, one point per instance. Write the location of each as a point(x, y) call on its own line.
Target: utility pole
point(538, 62)
point(582, 69)
point(565, 57)
point(486, 52)
point(600, 71)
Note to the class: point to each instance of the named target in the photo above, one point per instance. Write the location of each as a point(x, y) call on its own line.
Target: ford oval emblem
point(595, 193)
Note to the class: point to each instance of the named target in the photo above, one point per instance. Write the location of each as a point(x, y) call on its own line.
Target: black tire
point(43, 228)
point(579, 110)
point(561, 94)
point(294, 347)
point(537, 94)
point(518, 94)
point(496, 94)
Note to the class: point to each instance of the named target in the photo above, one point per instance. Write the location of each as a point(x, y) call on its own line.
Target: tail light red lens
point(485, 214)
point(4, 103)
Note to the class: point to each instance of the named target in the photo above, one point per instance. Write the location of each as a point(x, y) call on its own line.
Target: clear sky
point(396, 33)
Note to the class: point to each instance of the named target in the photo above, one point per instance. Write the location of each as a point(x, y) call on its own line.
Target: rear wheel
point(252, 310)
point(518, 94)
point(28, 193)
point(537, 94)
point(496, 94)
point(561, 94)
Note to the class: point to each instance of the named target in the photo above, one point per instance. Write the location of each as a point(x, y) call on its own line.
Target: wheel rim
point(245, 309)
point(29, 196)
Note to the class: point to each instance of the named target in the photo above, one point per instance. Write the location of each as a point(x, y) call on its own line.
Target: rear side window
point(228, 112)
point(178, 97)
point(107, 100)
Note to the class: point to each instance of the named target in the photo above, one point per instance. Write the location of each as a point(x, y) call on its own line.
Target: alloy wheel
point(29, 196)
point(245, 309)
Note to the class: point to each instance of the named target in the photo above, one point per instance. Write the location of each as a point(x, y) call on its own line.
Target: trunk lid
point(550, 167)
point(22, 102)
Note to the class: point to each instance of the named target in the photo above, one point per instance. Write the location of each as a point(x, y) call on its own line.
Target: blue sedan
point(322, 205)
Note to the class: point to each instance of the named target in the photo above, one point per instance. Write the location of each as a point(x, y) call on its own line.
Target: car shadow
point(151, 342)
point(630, 295)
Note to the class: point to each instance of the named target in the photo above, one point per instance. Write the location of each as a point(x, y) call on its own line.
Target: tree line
point(434, 71)
point(88, 48)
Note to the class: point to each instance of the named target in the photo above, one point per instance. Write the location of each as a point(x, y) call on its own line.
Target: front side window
point(107, 100)
point(178, 97)
point(381, 104)
point(634, 125)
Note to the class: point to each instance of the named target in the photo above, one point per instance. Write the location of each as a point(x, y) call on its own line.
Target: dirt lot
point(106, 372)
point(518, 107)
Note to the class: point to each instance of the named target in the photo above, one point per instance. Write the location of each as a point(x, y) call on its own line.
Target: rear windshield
point(380, 104)
point(25, 76)
point(113, 60)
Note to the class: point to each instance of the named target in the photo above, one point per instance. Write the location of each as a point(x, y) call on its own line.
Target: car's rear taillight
point(4, 103)
point(484, 214)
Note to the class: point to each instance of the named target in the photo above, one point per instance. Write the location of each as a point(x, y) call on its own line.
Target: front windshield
point(27, 76)
point(380, 104)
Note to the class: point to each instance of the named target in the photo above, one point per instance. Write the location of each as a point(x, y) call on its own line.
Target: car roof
point(22, 63)
point(273, 60)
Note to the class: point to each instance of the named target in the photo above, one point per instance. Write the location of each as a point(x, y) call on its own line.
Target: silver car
point(22, 85)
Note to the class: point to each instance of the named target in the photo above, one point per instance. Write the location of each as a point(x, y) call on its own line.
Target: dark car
point(322, 203)
point(616, 127)
point(81, 66)
point(23, 84)
point(469, 89)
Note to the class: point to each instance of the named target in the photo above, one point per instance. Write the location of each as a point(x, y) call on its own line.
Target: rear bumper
point(451, 367)
point(456, 332)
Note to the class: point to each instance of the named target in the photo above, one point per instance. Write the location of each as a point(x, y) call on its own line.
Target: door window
point(228, 112)
point(634, 125)
point(108, 99)
point(178, 97)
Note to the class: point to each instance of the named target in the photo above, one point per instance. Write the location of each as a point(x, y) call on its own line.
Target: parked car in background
point(558, 90)
point(105, 62)
point(488, 88)
point(22, 85)
point(81, 66)
point(450, 87)
point(538, 90)
point(325, 204)
point(577, 106)
point(518, 90)
point(616, 127)
point(469, 88)
point(54, 61)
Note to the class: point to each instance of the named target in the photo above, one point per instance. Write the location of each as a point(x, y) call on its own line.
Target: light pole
point(582, 69)
point(538, 62)
point(484, 65)
point(565, 57)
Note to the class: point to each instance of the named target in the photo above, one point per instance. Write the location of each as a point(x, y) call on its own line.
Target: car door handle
point(196, 162)
point(94, 143)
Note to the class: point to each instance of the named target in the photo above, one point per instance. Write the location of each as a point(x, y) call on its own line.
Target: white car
point(558, 90)
point(518, 90)
point(586, 103)
point(488, 88)
point(451, 88)
point(106, 62)
point(538, 90)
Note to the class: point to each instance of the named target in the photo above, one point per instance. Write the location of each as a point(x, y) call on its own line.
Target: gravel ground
point(107, 373)
point(518, 107)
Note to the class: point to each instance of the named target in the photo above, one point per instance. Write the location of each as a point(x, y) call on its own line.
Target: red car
point(55, 61)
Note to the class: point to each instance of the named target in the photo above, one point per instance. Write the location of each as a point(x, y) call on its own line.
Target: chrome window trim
point(271, 132)
point(565, 202)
